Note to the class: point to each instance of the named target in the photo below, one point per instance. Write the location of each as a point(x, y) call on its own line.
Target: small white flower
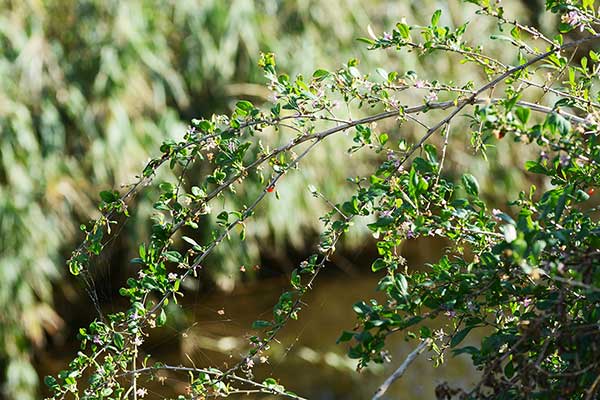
point(141, 392)
point(138, 341)
point(172, 276)
point(439, 334)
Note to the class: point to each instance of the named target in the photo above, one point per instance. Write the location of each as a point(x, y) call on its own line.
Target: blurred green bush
point(88, 91)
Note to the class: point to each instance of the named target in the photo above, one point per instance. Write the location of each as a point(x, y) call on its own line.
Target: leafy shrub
point(527, 275)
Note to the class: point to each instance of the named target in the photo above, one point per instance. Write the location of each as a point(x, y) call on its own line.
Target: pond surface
point(212, 328)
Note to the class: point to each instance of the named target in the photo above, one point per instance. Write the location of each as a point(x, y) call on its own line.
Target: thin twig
point(401, 369)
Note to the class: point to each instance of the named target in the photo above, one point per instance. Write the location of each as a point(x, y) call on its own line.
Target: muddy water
point(211, 329)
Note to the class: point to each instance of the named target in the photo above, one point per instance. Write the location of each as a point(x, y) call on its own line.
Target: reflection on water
point(212, 329)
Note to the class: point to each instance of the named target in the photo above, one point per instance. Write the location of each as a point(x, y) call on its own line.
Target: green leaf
point(74, 268)
point(109, 196)
point(515, 33)
point(223, 216)
point(142, 251)
point(509, 370)
point(435, 18)
point(383, 138)
point(361, 308)
point(536, 168)
point(118, 340)
point(460, 335)
point(259, 324)
point(321, 74)
point(173, 256)
point(162, 318)
point(404, 30)
point(557, 124)
point(205, 126)
point(295, 279)
point(402, 284)
point(470, 184)
point(522, 114)
point(422, 165)
point(469, 350)
point(245, 106)
point(166, 187)
point(366, 40)
point(191, 241)
point(510, 233)
point(378, 265)
point(50, 381)
point(345, 337)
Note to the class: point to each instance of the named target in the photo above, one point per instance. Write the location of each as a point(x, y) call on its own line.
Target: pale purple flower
point(97, 340)
point(544, 156)
point(141, 392)
point(527, 302)
point(574, 19)
point(141, 274)
point(431, 97)
point(387, 36)
point(249, 363)
point(564, 160)
point(571, 18)
point(420, 84)
point(392, 157)
point(386, 213)
point(138, 341)
point(450, 313)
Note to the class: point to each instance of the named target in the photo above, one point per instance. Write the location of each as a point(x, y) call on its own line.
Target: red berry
point(590, 191)
point(270, 189)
